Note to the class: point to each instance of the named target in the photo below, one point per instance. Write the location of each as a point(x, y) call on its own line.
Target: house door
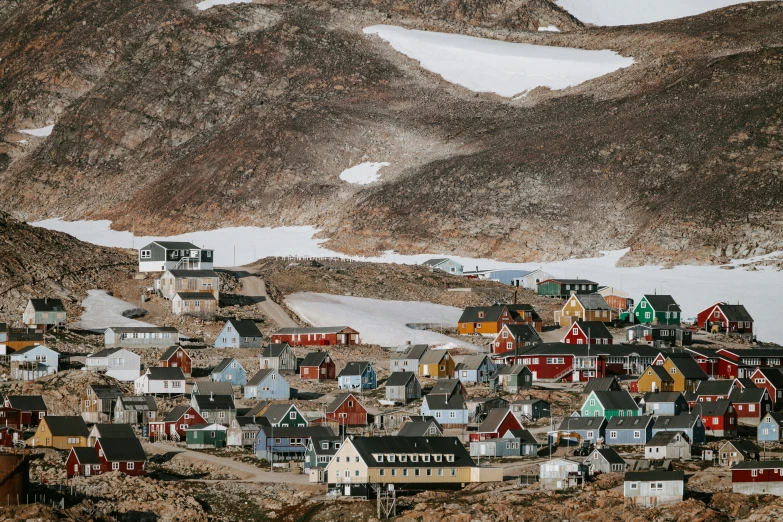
point(535, 375)
point(654, 387)
point(576, 376)
point(87, 470)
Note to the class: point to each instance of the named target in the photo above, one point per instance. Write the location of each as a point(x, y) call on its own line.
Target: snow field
point(102, 310)
point(206, 4)
point(363, 173)
point(631, 12)
point(41, 133)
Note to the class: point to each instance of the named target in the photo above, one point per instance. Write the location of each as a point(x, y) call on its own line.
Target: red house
point(319, 336)
point(758, 477)
point(711, 391)
point(515, 337)
point(588, 332)
point(559, 361)
point(82, 462)
point(317, 366)
point(177, 357)
point(720, 417)
point(751, 404)
point(124, 455)
point(347, 410)
point(770, 379)
point(498, 422)
point(174, 425)
point(32, 408)
point(11, 417)
point(9, 435)
point(726, 318)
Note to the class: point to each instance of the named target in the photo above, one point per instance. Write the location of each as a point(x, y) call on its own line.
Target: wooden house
point(561, 474)
point(407, 358)
point(769, 427)
point(653, 488)
point(98, 402)
point(515, 337)
point(317, 336)
point(140, 337)
point(531, 279)
point(581, 429)
point(626, 431)
point(403, 387)
point(317, 366)
point(389, 420)
point(32, 362)
point(664, 403)
point(109, 431)
point(732, 452)
point(437, 364)
point(444, 264)
point(160, 256)
point(758, 478)
point(488, 320)
point(11, 418)
point(229, 370)
point(279, 357)
point(135, 410)
point(10, 436)
point(560, 361)
point(719, 417)
point(610, 404)
point(320, 451)
point(655, 379)
point(710, 391)
point(418, 426)
point(347, 410)
point(669, 445)
point(197, 304)
point(239, 333)
point(267, 384)
point(659, 334)
point(479, 407)
point(243, 431)
point(284, 444)
point(530, 409)
point(82, 462)
point(751, 405)
point(118, 363)
point(32, 408)
point(205, 436)
point(173, 426)
point(449, 387)
point(770, 379)
point(44, 313)
point(173, 282)
point(124, 455)
point(177, 357)
point(515, 443)
point(212, 388)
point(657, 309)
point(18, 338)
point(726, 318)
point(601, 384)
point(451, 411)
point(357, 374)
point(475, 369)
point(279, 414)
point(215, 408)
point(688, 423)
point(496, 425)
point(584, 307)
point(687, 374)
point(163, 381)
point(62, 433)
point(605, 460)
point(564, 288)
point(512, 378)
point(617, 300)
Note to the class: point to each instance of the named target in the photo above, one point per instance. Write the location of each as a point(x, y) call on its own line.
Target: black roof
point(446, 387)
point(106, 391)
point(413, 351)
point(774, 376)
point(245, 327)
point(25, 335)
point(369, 446)
point(746, 447)
point(66, 426)
point(314, 359)
point(304, 432)
point(260, 375)
point(87, 456)
point(162, 374)
point(765, 464)
point(718, 407)
point(688, 366)
point(610, 455)
point(115, 431)
point(491, 313)
point(27, 402)
point(748, 395)
point(571, 281)
point(48, 305)
point(523, 332)
point(415, 428)
point(592, 302)
point(222, 365)
point(523, 436)
point(661, 397)
point(662, 303)
point(274, 349)
point(629, 423)
point(355, 368)
point(716, 387)
point(176, 245)
point(616, 400)
point(435, 261)
point(776, 416)
point(213, 387)
point(103, 353)
point(170, 351)
point(143, 329)
point(656, 475)
point(3, 327)
point(675, 422)
point(138, 403)
point(439, 402)
point(192, 296)
point(193, 273)
point(601, 384)
point(661, 372)
point(582, 423)
point(176, 413)
point(664, 438)
point(122, 450)
point(214, 402)
point(400, 378)
point(735, 312)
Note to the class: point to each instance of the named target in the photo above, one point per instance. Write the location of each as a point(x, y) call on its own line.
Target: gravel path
point(255, 288)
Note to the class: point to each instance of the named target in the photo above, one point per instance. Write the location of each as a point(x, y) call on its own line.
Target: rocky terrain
point(178, 119)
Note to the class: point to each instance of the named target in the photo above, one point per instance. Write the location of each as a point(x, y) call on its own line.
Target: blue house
point(769, 427)
point(475, 369)
point(688, 423)
point(281, 444)
point(624, 431)
point(664, 403)
point(32, 362)
point(239, 333)
point(357, 373)
point(587, 428)
point(451, 411)
point(231, 371)
point(445, 264)
point(267, 384)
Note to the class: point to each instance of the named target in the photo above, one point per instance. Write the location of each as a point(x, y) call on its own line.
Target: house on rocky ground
point(32, 408)
point(511, 378)
point(653, 488)
point(317, 336)
point(564, 288)
point(769, 427)
point(527, 410)
point(215, 408)
point(496, 425)
point(243, 431)
point(357, 374)
point(196, 304)
point(437, 364)
point(588, 332)
point(212, 388)
point(60, 432)
point(758, 478)
point(515, 338)
point(475, 369)
point(173, 282)
point(99, 401)
point(444, 264)
point(177, 357)
point(44, 313)
point(403, 387)
point(418, 426)
point(726, 318)
point(33, 362)
point(751, 405)
point(173, 426)
point(135, 410)
point(689, 423)
point(657, 309)
point(561, 474)
point(407, 358)
point(239, 333)
point(610, 404)
point(279, 357)
point(601, 384)
point(160, 381)
point(229, 370)
point(670, 445)
point(140, 337)
point(515, 443)
point(664, 403)
point(267, 384)
point(719, 417)
point(347, 410)
point(605, 460)
point(624, 431)
point(117, 363)
point(109, 431)
point(733, 451)
point(591, 308)
point(317, 366)
point(206, 436)
point(160, 256)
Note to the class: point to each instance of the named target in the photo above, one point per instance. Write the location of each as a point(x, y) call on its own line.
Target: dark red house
point(758, 477)
point(347, 410)
point(719, 418)
point(727, 363)
point(560, 361)
point(9, 435)
point(32, 408)
point(11, 417)
point(318, 336)
point(177, 357)
point(515, 336)
point(498, 422)
point(124, 455)
point(770, 379)
point(175, 423)
point(82, 462)
point(751, 404)
point(597, 331)
point(725, 318)
point(317, 366)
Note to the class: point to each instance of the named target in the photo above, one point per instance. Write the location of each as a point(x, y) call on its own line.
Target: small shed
point(403, 387)
point(653, 488)
point(605, 460)
point(202, 436)
point(668, 445)
point(561, 473)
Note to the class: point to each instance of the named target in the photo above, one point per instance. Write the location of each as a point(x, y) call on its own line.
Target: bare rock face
point(246, 114)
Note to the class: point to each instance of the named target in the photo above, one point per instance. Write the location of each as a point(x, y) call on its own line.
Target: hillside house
point(564, 288)
point(726, 318)
point(135, 410)
point(688, 423)
point(163, 381)
point(511, 378)
point(177, 357)
point(317, 366)
point(617, 300)
point(98, 402)
point(347, 410)
point(173, 426)
point(580, 429)
point(32, 408)
point(726, 363)
point(11, 418)
point(558, 361)
point(479, 407)
point(770, 379)
point(719, 417)
point(685, 371)
point(19, 338)
point(407, 358)
point(588, 332)
point(769, 427)
point(605, 460)
point(561, 474)
point(711, 391)
point(505, 276)
point(530, 409)
point(475, 369)
point(758, 478)
point(751, 405)
point(498, 422)
point(515, 443)
point(320, 451)
point(403, 387)
point(601, 384)
point(32, 362)
point(243, 431)
point(451, 411)
point(125, 455)
point(659, 334)
point(531, 279)
point(489, 320)
point(44, 313)
point(610, 404)
point(357, 374)
point(657, 309)
point(732, 452)
point(278, 414)
point(418, 426)
point(437, 364)
point(664, 403)
point(514, 338)
point(173, 282)
point(140, 337)
point(63, 432)
point(317, 336)
point(197, 304)
point(653, 488)
point(284, 444)
point(206, 436)
point(212, 387)
point(239, 333)
point(669, 445)
point(215, 408)
point(229, 370)
point(267, 384)
point(82, 462)
point(591, 308)
point(109, 431)
point(160, 256)
point(624, 431)
point(118, 363)
point(444, 264)
point(279, 357)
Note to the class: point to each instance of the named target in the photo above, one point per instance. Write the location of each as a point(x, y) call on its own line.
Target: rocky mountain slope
point(246, 114)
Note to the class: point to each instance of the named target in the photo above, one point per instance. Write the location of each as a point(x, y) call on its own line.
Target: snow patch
point(548, 29)
point(41, 133)
point(363, 173)
point(377, 321)
point(631, 12)
point(505, 68)
point(206, 4)
point(102, 310)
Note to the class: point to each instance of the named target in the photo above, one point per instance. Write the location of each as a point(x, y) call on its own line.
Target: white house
point(32, 362)
point(561, 473)
point(653, 488)
point(118, 363)
point(160, 381)
point(531, 280)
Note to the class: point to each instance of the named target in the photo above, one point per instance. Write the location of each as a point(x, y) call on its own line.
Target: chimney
point(46, 300)
point(211, 398)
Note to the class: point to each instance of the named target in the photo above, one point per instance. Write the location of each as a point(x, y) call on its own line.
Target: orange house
point(489, 320)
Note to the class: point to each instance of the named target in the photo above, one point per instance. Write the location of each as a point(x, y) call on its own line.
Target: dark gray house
point(587, 428)
point(403, 387)
point(664, 403)
point(601, 384)
point(688, 423)
point(530, 409)
point(160, 256)
point(419, 426)
point(605, 460)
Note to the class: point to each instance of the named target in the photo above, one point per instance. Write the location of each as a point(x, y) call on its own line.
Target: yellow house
point(584, 307)
point(436, 364)
point(685, 371)
point(60, 433)
point(655, 379)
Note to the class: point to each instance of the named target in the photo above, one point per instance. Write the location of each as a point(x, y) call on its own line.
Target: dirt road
point(255, 288)
point(245, 472)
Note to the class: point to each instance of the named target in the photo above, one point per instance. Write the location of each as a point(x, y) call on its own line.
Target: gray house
point(407, 358)
point(403, 387)
point(664, 403)
point(605, 460)
point(530, 409)
point(668, 445)
point(174, 282)
point(653, 488)
point(160, 256)
point(280, 357)
point(239, 333)
point(512, 378)
point(515, 443)
point(561, 474)
point(688, 423)
point(622, 431)
point(583, 428)
point(474, 369)
point(140, 337)
point(215, 408)
point(44, 312)
point(418, 426)
point(135, 410)
point(213, 388)
point(444, 264)
point(601, 384)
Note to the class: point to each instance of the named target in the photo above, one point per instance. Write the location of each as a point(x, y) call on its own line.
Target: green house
point(201, 436)
point(610, 404)
point(562, 288)
point(278, 414)
point(657, 309)
point(321, 450)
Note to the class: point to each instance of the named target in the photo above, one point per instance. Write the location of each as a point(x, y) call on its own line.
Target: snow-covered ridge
point(632, 12)
point(505, 68)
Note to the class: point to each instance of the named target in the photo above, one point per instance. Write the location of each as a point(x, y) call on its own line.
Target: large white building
point(160, 256)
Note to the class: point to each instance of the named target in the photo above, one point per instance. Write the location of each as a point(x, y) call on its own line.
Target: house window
point(505, 335)
point(292, 415)
point(612, 434)
point(146, 254)
point(129, 465)
point(405, 472)
point(509, 345)
point(575, 331)
point(592, 402)
point(673, 371)
point(637, 434)
point(394, 472)
point(751, 407)
point(656, 486)
point(115, 465)
point(635, 485)
point(382, 472)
